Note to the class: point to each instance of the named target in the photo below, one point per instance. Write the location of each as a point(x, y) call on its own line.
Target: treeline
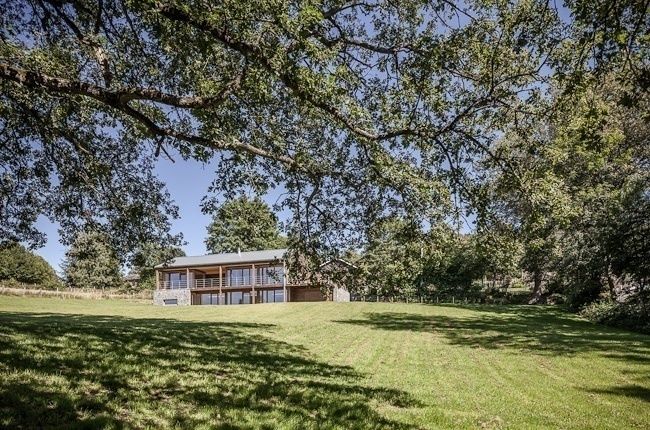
point(569, 217)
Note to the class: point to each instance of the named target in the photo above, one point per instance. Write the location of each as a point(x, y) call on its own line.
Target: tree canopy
point(91, 262)
point(243, 224)
point(359, 110)
point(529, 117)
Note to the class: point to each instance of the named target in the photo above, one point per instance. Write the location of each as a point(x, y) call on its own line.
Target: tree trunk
point(613, 282)
point(537, 287)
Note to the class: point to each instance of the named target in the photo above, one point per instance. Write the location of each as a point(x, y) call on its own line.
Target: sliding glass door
point(237, 277)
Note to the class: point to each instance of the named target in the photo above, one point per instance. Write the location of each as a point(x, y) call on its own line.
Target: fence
point(74, 293)
point(415, 299)
point(518, 297)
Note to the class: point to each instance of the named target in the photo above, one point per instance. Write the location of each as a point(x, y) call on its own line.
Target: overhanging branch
point(119, 99)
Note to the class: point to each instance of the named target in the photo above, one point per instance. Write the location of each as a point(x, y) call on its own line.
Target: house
point(232, 278)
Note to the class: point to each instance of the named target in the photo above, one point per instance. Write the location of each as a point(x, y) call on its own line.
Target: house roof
point(338, 261)
point(226, 258)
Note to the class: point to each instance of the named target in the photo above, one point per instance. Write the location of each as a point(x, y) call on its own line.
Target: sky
point(187, 182)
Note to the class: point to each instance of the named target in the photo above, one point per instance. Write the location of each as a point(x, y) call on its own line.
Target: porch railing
point(211, 283)
point(173, 285)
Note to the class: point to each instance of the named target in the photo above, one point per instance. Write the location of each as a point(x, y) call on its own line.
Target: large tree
point(359, 110)
point(91, 262)
point(243, 224)
point(581, 208)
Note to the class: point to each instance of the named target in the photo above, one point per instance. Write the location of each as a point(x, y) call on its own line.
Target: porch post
point(157, 279)
point(253, 282)
point(221, 282)
point(187, 277)
point(284, 281)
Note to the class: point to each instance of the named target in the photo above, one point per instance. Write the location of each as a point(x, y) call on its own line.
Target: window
point(246, 298)
point(270, 296)
point(176, 279)
point(239, 277)
point(269, 275)
point(278, 295)
point(209, 299)
point(170, 302)
point(236, 298)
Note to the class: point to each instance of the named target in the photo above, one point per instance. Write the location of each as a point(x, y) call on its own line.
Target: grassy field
point(119, 364)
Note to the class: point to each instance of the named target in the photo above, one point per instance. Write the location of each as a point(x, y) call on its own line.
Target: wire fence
point(73, 293)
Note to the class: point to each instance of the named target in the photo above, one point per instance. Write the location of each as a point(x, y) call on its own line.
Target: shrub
point(630, 315)
point(556, 299)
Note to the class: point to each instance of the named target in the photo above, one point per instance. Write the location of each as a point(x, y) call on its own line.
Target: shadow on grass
point(635, 391)
point(537, 330)
point(67, 371)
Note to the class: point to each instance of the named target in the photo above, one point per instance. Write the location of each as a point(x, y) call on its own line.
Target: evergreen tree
point(243, 224)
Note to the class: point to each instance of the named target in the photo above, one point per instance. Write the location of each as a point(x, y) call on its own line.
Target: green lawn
point(118, 364)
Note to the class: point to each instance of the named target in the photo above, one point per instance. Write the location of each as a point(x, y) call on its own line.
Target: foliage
point(631, 315)
point(91, 263)
point(452, 267)
point(393, 261)
point(243, 224)
point(357, 110)
point(147, 256)
point(583, 213)
point(19, 264)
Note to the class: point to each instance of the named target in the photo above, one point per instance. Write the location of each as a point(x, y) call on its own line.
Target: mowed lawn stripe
point(111, 364)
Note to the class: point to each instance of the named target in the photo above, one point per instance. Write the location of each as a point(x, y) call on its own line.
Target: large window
point(239, 297)
point(239, 277)
point(236, 298)
point(269, 275)
point(175, 279)
point(210, 299)
point(270, 296)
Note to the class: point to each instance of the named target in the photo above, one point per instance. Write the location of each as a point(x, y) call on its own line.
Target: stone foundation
point(181, 297)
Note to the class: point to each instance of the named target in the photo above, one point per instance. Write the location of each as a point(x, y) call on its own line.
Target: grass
point(119, 364)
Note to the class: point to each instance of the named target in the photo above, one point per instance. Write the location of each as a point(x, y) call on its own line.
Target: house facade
point(233, 278)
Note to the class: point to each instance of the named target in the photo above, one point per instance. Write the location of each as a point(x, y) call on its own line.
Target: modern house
point(234, 278)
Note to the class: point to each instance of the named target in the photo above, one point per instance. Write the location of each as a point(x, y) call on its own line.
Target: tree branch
point(119, 99)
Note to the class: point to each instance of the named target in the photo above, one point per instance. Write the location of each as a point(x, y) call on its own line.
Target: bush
point(630, 315)
point(556, 299)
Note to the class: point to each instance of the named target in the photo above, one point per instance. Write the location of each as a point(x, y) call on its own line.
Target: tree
point(147, 257)
point(393, 260)
point(359, 110)
point(19, 264)
point(91, 263)
point(581, 207)
point(243, 224)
